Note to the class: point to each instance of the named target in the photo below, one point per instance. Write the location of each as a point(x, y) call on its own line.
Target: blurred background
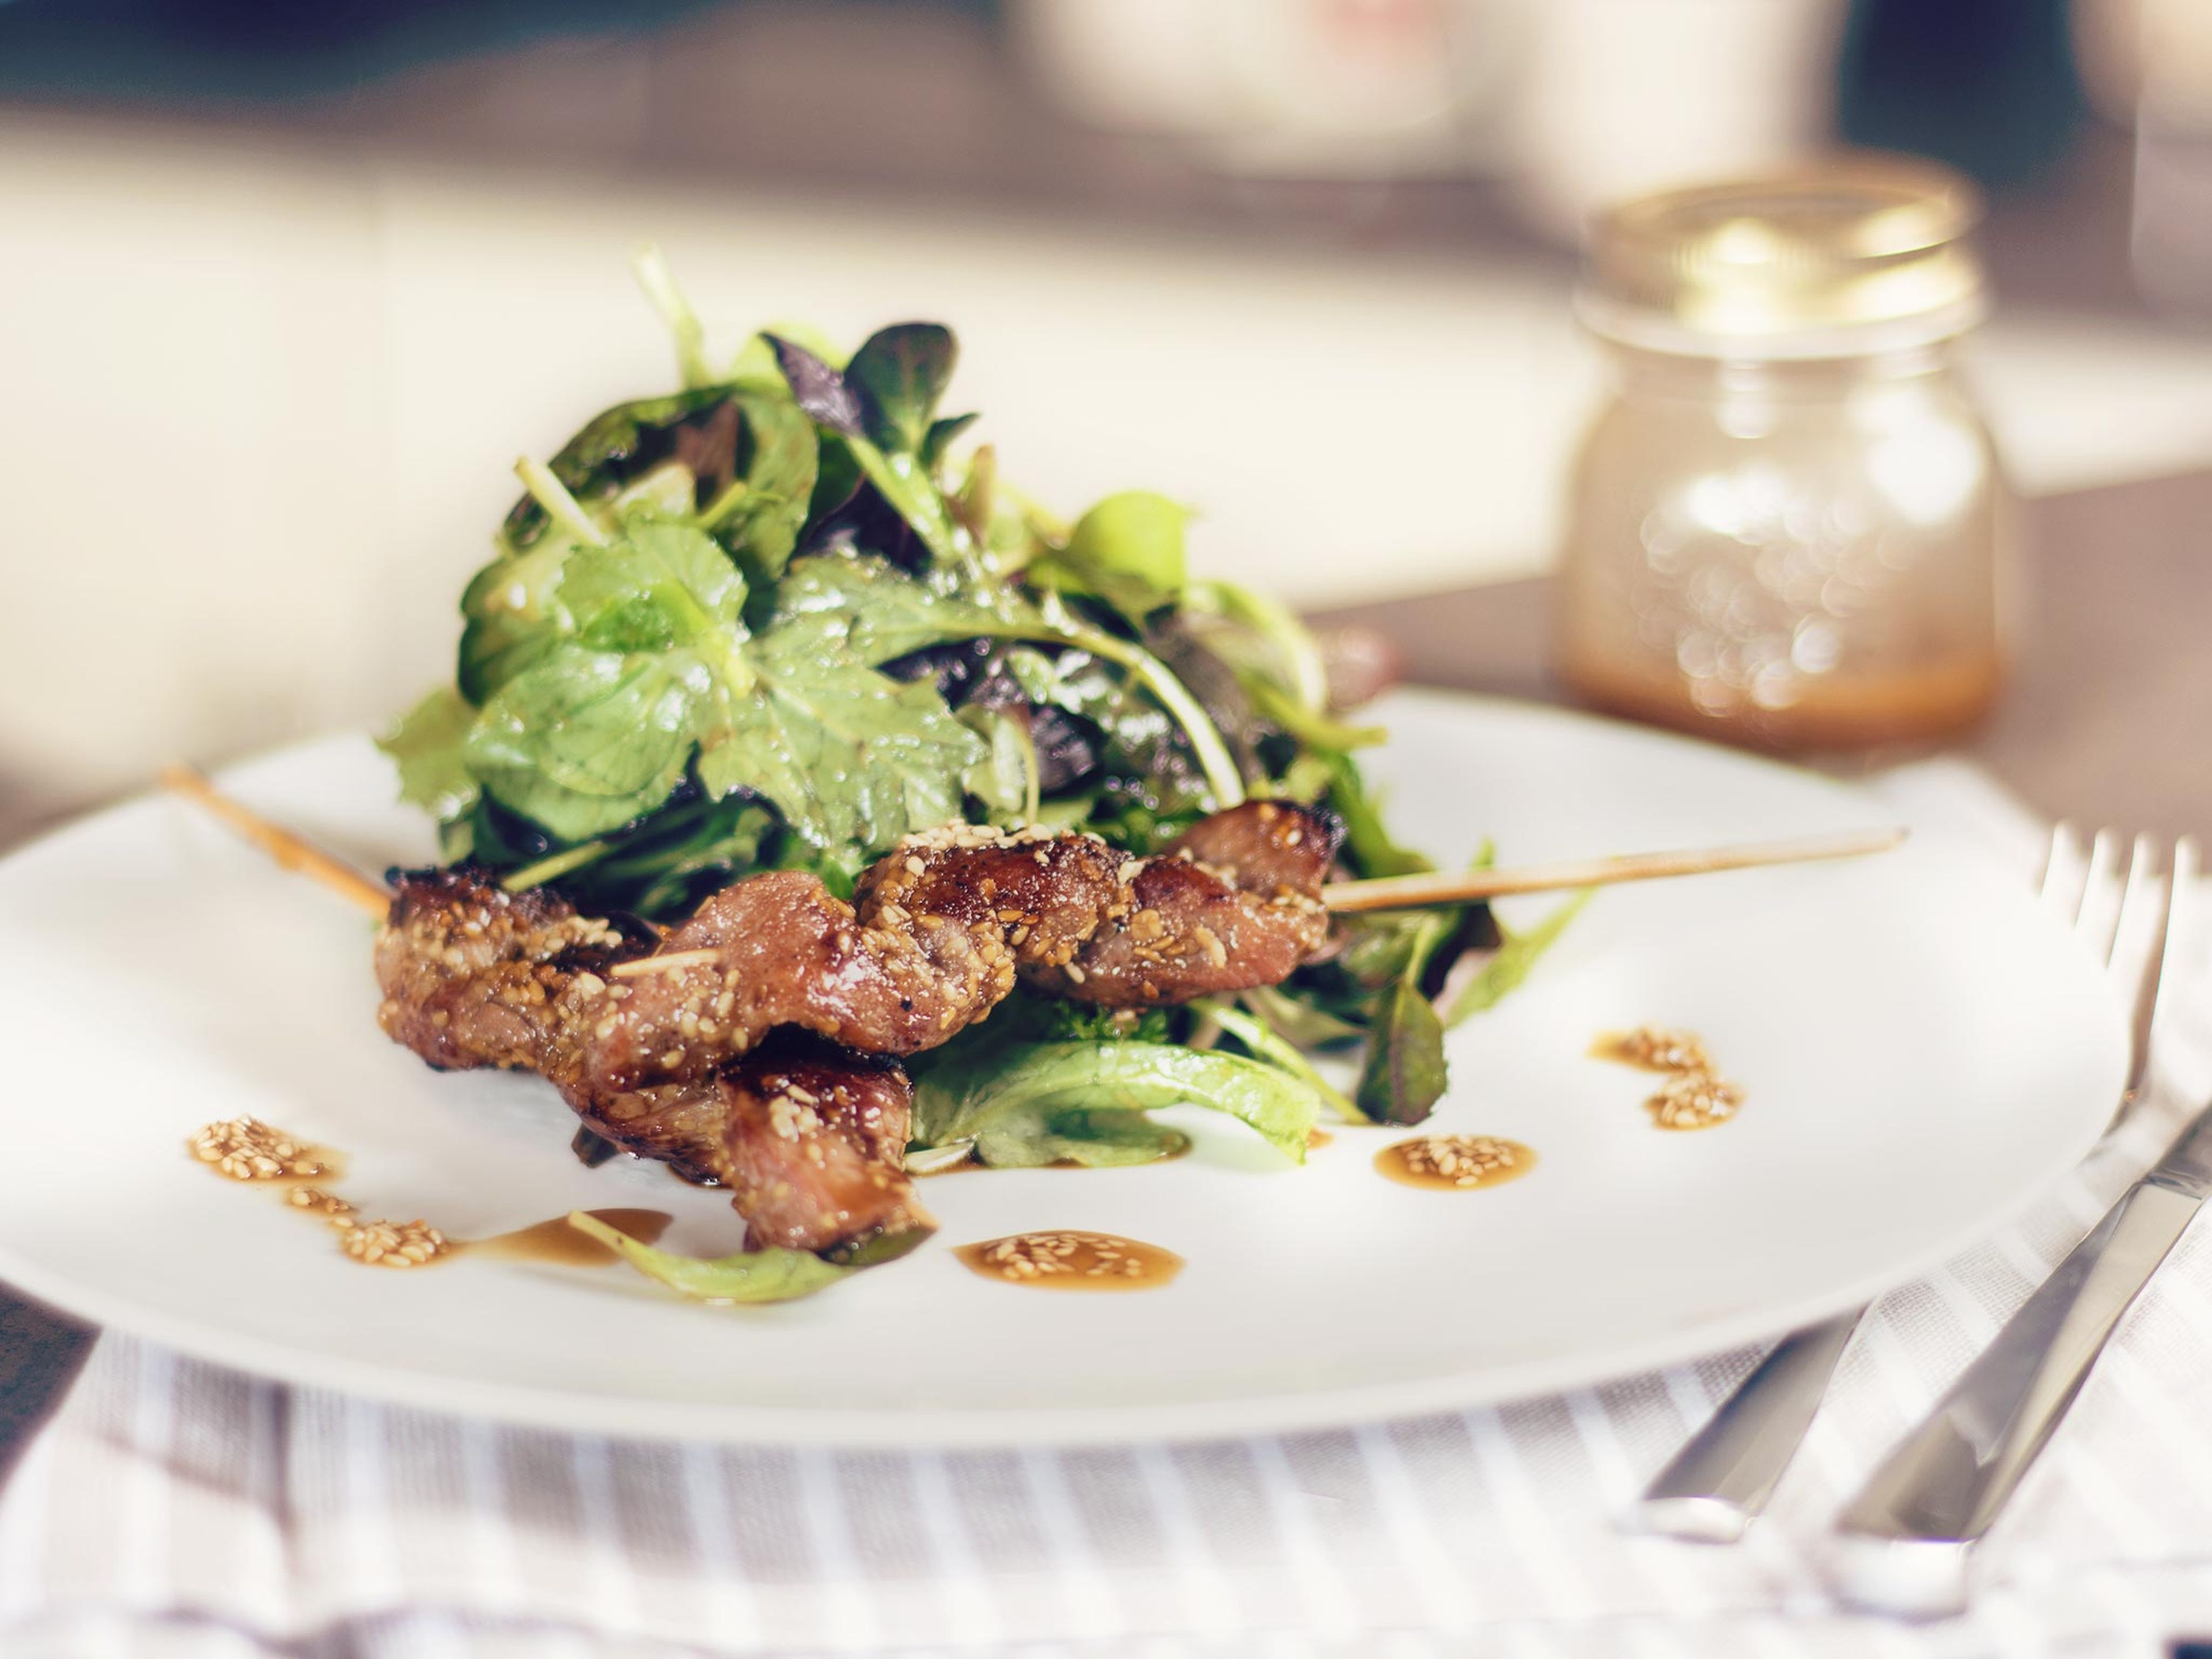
point(286, 290)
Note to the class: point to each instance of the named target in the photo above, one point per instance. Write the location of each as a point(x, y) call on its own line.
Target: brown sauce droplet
point(949, 1169)
point(1317, 1138)
point(1653, 1048)
point(1455, 1163)
point(557, 1243)
point(1072, 1260)
point(1694, 1100)
point(1695, 1096)
point(248, 1150)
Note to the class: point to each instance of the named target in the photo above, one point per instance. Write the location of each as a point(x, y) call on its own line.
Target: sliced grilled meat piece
point(1234, 904)
point(814, 1150)
point(475, 976)
point(942, 924)
point(683, 1125)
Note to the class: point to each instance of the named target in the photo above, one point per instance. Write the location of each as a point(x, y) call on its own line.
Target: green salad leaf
point(612, 448)
point(864, 606)
point(748, 1276)
point(1265, 1043)
point(852, 760)
point(1404, 1075)
point(897, 377)
point(584, 741)
point(433, 774)
point(1129, 550)
point(759, 515)
point(512, 618)
point(662, 586)
point(1024, 1104)
point(901, 476)
point(1503, 973)
point(1368, 842)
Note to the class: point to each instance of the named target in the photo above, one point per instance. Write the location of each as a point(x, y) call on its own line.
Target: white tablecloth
point(174, 1508)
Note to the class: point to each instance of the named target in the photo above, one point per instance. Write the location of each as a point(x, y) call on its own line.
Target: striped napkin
point(173, 1508)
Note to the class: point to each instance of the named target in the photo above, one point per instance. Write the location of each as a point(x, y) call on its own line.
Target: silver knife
point(1903, 1545)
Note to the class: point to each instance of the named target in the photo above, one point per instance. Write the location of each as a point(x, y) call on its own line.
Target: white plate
point(1922, 1049)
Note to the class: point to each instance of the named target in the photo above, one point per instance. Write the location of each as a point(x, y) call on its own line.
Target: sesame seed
point(1694, 1100)
point(1462, 1160)
point(394, 1243)
point(1665, 1050)
point(247, 1149)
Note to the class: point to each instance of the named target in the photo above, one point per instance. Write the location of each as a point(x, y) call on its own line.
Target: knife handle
point(1718, 1484)
point(1904, 1544)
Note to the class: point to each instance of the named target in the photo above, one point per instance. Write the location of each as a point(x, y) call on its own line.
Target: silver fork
point(1719, 1483)
point(1905, 1543)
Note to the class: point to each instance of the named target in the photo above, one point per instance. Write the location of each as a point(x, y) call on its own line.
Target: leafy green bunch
point(770, 620)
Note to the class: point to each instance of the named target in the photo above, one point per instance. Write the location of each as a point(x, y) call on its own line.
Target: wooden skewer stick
point(1461, 887)
point(1387, 893)
point(282, 845)
point(671, 963)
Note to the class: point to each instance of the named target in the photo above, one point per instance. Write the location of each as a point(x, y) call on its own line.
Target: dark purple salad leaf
point(821, 390)
point(895, 378)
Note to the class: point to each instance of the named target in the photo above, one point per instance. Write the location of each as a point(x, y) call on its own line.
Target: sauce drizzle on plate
point(1695, 1096)
point(1455, 1163)
point(1067, 1259)
point(556, 1241)
point(247, 1150)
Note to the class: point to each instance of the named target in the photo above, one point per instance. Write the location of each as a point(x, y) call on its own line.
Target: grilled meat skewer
point(670, 1063)
point(942, 926)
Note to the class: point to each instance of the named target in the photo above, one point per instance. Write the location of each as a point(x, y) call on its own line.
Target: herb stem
point(724, 504)
point(659, 285)
point(564, 509)
point(1032, 775)
point(1206, 742)
point(1314, 727)
point(553, 865)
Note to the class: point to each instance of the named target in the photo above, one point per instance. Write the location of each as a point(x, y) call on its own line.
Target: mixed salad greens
point(771, 620)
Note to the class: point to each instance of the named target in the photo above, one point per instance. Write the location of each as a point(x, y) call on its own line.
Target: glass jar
point(1788, 526)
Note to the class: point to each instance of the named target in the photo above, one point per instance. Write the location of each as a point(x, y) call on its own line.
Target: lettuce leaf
point(864, 606)
point(1127, 549)
point(748, 1276)
point(897, 377)
point(1024, 1104)
point(852, 759)
point(1403, 1077)
point(585, 741)
point(434, 773)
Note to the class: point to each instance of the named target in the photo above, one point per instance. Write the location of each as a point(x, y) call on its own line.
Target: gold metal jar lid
point(1866, 252)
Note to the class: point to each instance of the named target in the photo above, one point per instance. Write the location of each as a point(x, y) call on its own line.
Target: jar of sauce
point(1789, 526)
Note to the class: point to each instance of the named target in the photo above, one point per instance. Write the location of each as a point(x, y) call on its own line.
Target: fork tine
point(2142, 930)
point(2161, 955)
point(2136, 891)
point(2096, 924)
point(2064, 872)
point(2144, 974)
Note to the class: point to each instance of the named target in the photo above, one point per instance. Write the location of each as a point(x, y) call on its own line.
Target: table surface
point(2101, 725)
